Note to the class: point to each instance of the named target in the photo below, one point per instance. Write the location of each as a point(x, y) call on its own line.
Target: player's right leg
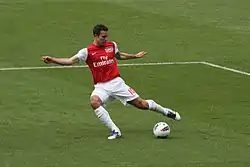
point(97, 99)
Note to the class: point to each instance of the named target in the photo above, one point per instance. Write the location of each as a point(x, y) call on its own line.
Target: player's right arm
point(61, 61)
point(79, 57)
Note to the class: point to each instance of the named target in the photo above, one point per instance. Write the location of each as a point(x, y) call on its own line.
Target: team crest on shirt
point(109, 49)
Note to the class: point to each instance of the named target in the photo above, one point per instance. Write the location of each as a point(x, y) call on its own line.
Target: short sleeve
point(116, 48)
point(82, 55)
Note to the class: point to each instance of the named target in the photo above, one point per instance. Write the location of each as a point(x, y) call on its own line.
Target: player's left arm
point(125, 56)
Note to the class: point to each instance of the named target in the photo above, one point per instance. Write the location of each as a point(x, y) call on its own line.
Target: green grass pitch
point(45, 117)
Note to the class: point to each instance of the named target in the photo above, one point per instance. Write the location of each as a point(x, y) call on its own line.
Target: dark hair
point(98, 28)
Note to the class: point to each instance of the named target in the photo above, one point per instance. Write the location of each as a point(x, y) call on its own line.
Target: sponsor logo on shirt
point(104, 61)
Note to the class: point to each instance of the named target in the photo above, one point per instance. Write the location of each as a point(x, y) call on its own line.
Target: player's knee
point(140, 103)
point(144, 104)
point(95, 102)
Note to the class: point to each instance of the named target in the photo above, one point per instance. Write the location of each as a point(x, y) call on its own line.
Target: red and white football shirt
point(101, 61)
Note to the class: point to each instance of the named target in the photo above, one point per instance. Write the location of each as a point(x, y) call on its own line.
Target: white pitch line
point(38, 68)
point(84, 66)
point(131, 64)
point(226, 68)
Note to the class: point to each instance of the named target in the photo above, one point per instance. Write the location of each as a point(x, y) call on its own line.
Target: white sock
point(152, 105)
point(104, 117)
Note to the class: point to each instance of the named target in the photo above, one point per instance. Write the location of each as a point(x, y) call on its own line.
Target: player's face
point(102, 38)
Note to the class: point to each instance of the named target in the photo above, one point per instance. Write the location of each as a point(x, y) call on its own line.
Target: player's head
point(100, 33)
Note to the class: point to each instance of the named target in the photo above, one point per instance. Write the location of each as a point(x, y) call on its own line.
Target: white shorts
point(114, 89)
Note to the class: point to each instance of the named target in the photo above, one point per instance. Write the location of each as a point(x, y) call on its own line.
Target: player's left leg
point(152, 105)
point(128, 95)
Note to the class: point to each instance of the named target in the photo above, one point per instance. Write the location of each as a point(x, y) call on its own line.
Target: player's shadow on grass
point(147, 133)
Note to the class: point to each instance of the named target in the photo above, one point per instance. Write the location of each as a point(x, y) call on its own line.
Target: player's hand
point(140, 54)
point(47, 59)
